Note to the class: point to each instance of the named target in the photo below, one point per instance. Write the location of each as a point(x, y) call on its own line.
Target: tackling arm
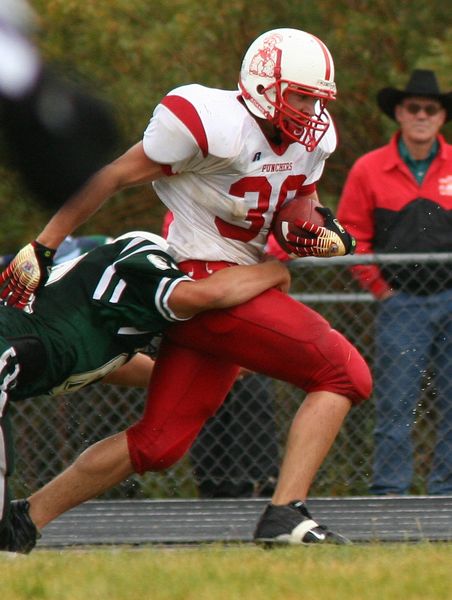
point(228, 287)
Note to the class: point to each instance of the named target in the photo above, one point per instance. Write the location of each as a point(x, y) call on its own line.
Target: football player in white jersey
point(224, 162)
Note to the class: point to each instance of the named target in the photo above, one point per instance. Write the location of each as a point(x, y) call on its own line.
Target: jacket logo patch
point(445, 186)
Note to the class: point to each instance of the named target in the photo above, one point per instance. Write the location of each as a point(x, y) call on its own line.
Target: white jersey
point(225, 178)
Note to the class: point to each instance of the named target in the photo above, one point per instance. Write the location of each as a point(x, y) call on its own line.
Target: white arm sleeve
point(168, 141)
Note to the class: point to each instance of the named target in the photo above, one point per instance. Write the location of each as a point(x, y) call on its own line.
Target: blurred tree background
point(131, 52)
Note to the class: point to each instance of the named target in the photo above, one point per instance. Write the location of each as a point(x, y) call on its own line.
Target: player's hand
point(281, 271)
point(309, 239)
point(28, 270)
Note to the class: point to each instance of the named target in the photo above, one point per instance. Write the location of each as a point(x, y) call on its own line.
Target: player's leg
point(193, 374)
point(286, 340)
point(187, 387)
point(108, 462)
point(280, 337)
point(189, 384)
point(100, 467)
point(6, 461)
point(275, 335)
point(312, 433)
point(16, 529)
point(9, 370)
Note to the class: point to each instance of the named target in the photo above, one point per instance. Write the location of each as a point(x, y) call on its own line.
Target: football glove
point(28, 270)
point(308, 239)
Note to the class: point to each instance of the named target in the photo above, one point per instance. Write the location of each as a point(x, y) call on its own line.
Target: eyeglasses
point(430, 109)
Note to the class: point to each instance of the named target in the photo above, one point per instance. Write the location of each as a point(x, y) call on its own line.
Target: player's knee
point(358, 380)
point(345, 373)
point(150, 451)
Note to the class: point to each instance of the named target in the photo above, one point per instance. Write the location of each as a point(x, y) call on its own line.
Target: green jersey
point(95, 312)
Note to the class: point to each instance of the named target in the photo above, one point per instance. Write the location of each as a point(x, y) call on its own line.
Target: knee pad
point(344, 370)
point(152, 451)
point(360, 378)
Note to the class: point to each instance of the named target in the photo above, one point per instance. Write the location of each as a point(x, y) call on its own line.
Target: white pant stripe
point(8, 379)
point(5, 358)
point(2, 472)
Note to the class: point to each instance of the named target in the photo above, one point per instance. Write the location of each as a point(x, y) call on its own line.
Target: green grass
point(368, 572)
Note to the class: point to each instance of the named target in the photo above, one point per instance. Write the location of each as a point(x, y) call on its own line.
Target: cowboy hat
point(422, 83)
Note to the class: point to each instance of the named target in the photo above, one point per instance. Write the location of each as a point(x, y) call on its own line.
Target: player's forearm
point(228, 287)
point(236, 285)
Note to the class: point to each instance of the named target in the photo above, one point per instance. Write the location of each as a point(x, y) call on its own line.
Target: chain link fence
point(239, 450)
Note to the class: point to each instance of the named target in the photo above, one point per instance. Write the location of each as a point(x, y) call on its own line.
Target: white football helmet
point(287, 61)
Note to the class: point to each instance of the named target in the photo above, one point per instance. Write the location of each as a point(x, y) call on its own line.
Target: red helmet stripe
point(186, 112)
point(326, 54)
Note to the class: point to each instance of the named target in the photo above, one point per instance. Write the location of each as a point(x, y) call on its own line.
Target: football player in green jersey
point(99, 313)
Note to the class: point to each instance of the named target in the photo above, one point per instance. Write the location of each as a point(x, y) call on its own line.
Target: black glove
point(28, 271)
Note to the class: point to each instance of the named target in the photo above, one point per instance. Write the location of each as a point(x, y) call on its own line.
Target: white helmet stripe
point(327, 55)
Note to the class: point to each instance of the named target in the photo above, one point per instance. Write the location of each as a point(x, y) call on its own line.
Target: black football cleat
point(292, 524)
point(19, 533)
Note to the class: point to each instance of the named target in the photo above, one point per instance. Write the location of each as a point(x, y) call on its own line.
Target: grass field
point(368, 572)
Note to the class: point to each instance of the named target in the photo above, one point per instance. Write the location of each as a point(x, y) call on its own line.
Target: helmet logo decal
point(267, 61)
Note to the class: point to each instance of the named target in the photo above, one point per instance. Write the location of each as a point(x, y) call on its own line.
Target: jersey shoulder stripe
point(186, 113)
point(195, 119)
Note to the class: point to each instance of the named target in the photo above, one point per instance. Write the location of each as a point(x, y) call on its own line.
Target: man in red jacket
point(398, 199)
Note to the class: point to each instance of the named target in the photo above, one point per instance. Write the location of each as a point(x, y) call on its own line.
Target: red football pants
point(271, 334)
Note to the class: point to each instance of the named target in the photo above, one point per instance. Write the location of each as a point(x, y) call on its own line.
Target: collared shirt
point(417, 167)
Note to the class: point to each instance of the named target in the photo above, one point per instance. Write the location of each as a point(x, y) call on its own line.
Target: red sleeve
point(188, 115)
point(356, 213)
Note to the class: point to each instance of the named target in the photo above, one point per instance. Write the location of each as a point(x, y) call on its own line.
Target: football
point(297, 208)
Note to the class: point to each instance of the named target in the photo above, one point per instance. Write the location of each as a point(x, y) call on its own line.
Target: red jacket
point(386, 209)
